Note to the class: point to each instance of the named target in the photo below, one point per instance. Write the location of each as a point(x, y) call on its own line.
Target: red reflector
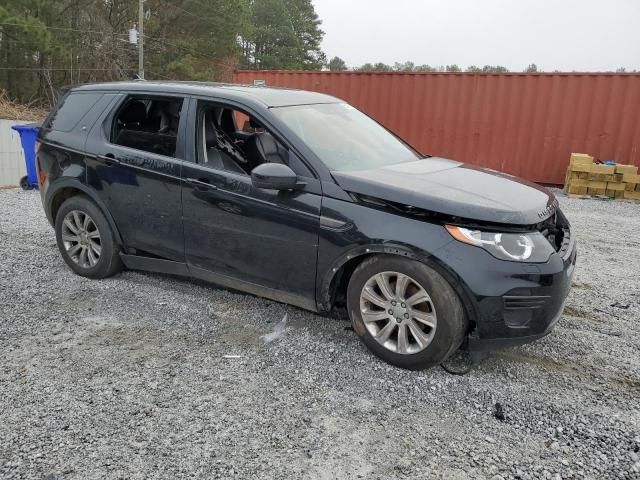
point(42, 176)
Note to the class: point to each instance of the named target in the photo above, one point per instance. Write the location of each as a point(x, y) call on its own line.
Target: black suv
point(299, 197)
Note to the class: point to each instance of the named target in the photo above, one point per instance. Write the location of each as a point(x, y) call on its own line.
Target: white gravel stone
point(126, 377)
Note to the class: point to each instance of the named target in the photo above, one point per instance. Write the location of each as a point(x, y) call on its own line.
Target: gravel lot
point(127, 378)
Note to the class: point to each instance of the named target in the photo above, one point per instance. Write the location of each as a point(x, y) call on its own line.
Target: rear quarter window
point(71, 110)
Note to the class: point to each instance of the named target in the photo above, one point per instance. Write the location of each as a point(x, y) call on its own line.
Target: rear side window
point(149, 124)
point(71, 110)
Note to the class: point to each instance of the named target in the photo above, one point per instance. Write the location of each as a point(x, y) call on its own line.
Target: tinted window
point(71, 110)
point(149, 124)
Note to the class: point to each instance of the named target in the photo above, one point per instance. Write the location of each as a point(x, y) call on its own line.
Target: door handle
point(108, 159)
point(201, 183)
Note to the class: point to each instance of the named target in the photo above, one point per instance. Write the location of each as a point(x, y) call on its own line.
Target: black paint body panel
point(455, 189)
point(177, 216)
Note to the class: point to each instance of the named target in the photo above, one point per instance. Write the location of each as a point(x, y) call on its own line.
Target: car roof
point(268, 96)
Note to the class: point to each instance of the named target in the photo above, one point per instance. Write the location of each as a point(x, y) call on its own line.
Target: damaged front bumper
point(515, 303)
point(525, 314)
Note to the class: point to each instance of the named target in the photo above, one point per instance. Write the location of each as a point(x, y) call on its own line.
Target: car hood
point(454, 188)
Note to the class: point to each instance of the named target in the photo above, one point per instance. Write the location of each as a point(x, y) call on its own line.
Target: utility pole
point(141, 39)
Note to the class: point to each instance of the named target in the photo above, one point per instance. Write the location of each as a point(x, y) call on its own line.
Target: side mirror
point(274, 176)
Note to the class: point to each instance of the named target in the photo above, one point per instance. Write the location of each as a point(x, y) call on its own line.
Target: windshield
point(345, 138)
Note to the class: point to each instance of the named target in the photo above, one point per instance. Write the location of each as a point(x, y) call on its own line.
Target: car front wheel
point(405, 312)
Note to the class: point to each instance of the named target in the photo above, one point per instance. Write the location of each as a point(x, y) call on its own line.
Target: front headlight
point(529, 247)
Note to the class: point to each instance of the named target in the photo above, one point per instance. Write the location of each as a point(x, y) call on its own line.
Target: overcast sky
point(584, 35)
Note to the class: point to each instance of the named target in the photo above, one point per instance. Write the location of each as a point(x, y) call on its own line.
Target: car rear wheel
point(85, 239)
point(405, 312)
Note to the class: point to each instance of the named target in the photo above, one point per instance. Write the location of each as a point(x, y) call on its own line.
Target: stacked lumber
point(586, 178)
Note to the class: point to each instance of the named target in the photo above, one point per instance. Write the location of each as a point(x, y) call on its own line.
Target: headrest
point(134, 112)
point(173, 108)
point(269, 148)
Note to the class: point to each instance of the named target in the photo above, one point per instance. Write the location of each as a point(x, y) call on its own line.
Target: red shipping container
point(525, 124)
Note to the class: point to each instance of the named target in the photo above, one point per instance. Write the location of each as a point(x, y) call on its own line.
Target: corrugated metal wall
point(12, 167)
point(523, 124)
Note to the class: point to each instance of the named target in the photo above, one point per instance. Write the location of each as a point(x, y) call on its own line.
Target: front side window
point(345, 138)
point(233, 140)
point(149, 124)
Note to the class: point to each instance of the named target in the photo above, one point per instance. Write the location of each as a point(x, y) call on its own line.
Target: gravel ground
point(130, 377)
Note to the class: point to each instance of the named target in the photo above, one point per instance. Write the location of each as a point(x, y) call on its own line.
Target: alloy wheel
point(81, 239)
point(398, 312)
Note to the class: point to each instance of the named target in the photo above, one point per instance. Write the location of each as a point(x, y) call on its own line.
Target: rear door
point(138, 147)
point(261, 241)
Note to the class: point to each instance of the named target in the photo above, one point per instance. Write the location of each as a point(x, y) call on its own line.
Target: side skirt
point(135, 262)
point(254, 289)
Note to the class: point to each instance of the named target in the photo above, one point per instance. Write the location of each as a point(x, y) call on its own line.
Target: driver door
point(261, 241)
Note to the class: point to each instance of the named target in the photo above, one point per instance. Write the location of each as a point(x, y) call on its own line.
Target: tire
point(102, 257)
point(24, 183)
point(437, 318)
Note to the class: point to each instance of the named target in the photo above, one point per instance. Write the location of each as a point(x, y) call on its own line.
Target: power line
point(202, 5)
point(60, 69)
point(182, 9)
point(188, 50)
point(219, 15)
point(156, 74)
point(63, 28)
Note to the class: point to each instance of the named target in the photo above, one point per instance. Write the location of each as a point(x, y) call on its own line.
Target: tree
point(532, 68)
point(404, 67)
point(282, 34)
point(382, 67)
point(425, 68)
point(45, 45)
point(367, 67)
point(336, 64)
point(453, 68)
point(473, 69)
point(494, 69)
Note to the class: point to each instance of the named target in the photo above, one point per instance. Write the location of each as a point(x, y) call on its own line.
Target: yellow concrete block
point(577, 189)
point(581, 167)
point(632, 195)
point(580, 158)
point(632, 169)
point(597, 177)
point(572, 175)
point(601, 168)
point(615, 193)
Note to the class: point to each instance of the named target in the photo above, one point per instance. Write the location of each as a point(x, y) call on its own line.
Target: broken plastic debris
point(232, 356)
point(278, 330)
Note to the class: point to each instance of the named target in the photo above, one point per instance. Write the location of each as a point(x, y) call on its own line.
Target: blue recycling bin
point(28, 135)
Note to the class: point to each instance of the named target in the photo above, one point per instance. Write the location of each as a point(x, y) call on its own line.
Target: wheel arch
point(337, 278)
point(71, 188)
